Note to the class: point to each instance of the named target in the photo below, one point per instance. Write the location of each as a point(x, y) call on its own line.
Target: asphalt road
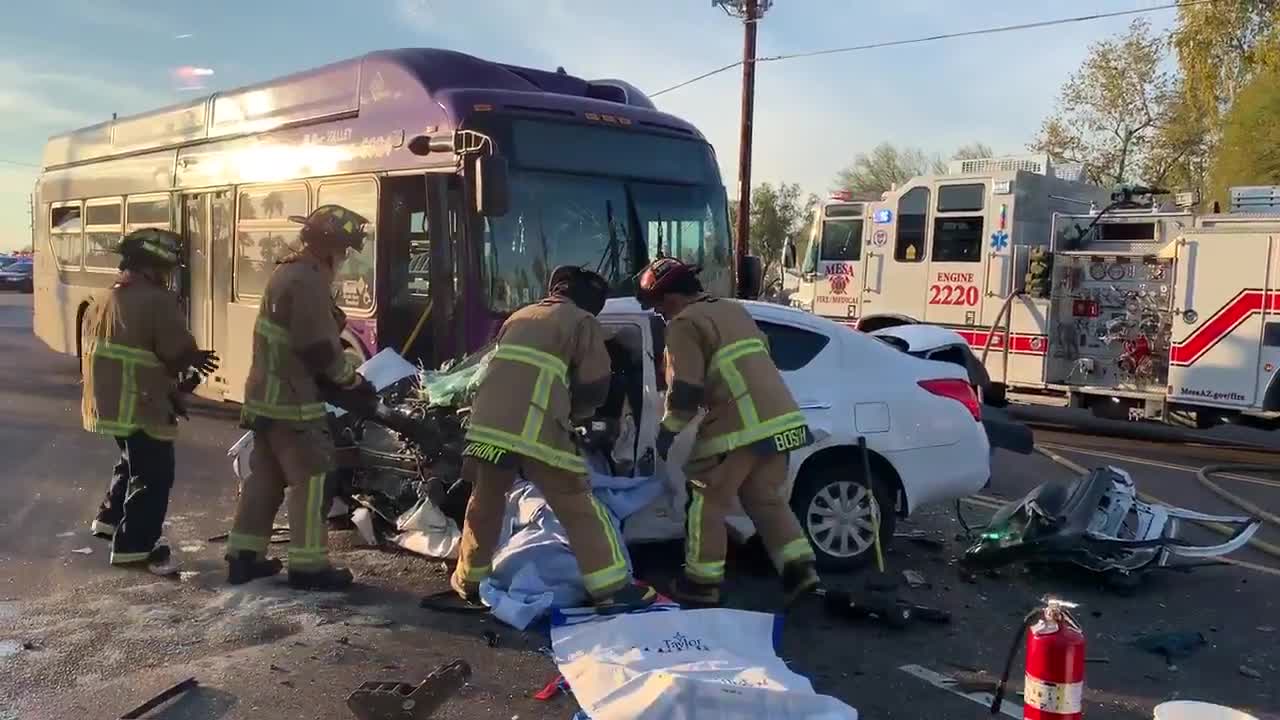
point(78, 639)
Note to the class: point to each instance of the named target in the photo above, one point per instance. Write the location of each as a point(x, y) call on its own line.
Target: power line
point(944, 36)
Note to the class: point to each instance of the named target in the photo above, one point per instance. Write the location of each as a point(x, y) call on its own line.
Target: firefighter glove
point(206, 362)
point(665, 439)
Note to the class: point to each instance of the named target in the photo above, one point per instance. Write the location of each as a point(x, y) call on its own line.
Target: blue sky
point(69, 63)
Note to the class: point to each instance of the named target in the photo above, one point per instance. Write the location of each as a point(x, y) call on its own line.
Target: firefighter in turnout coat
point(136, 344)
point(550, 368)
point(297, 359)
point(718, 359)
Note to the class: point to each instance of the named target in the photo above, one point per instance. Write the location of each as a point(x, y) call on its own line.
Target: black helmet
point(151, 247)
point(666, 275)
point(333, 227)
point(588, 290)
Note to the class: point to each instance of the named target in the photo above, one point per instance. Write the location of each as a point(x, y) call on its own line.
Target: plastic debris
point(83, 551)
point(914, 579)
point(1249, 672)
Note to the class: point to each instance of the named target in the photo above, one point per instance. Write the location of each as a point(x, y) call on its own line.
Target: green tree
point(885, 167)
point(1111, 109)
point(778, 213)
point(1249, 151)
point(1220, 45)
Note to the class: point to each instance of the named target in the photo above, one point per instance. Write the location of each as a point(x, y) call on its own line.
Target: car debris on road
point(1097, 522)
point(378, 700)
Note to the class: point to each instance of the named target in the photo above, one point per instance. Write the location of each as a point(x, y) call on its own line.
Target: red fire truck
point(1112, 301)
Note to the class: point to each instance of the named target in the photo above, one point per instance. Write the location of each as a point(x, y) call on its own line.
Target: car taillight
point(957, 390)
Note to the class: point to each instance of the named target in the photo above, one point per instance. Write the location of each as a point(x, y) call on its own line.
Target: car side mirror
point(752, 277)
point(789, 255)
point(492, 192)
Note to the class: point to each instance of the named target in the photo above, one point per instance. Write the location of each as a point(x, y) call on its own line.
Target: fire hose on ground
point(1202, 476)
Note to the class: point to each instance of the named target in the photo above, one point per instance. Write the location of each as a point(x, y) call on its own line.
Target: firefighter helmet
point(588, 290)
point(152, 247)
point(666, 275)
point(333, 227)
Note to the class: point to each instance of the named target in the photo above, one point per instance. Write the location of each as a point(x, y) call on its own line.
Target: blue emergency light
point(884, 216)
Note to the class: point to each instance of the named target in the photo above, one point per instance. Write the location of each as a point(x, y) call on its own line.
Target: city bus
point(478, 179)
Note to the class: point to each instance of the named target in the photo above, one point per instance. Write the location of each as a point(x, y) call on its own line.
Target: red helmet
point(663, 276)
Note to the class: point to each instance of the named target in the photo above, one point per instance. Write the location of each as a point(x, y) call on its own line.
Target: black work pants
point(111, 509)
point(144, 476)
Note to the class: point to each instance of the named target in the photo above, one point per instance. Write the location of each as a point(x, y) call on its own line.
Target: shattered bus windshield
point(618, 200)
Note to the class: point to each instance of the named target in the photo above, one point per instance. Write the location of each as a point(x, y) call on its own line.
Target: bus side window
point(353, 284)
point(66, 235)
point(913, 210)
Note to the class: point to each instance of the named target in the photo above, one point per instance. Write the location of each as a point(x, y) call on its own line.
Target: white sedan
point(919, 418)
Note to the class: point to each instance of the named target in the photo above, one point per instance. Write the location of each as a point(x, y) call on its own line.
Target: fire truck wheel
point(838, 511)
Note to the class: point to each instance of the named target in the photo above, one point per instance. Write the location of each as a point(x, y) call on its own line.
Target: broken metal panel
point(1097, 522)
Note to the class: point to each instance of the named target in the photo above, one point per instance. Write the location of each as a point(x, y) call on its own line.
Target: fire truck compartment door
point(1226, 285)
point(958, 243)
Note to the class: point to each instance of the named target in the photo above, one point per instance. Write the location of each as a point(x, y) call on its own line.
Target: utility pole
point(750, 11)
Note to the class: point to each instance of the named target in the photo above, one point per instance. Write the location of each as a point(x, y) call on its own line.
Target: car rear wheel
point(839, 511)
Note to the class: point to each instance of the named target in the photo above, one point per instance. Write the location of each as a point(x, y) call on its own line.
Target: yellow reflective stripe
point(118, 558)
point(712, 572)
point(616, 570)
point(738, 388)
point(602, 581)
point(731, 352)
point(311, 538)
point(271, 331)
point(240, 541)
point(521, 446)
point(297, 413)
point(307, 559)
point(693, 537)
point(538, 406)
point(798, 549)
point(474, 574)
point(537, 358)
point(125, 353)
point(729, 441)
point(674, 424)
point(111, 427)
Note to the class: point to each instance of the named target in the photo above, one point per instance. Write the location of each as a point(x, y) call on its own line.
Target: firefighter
point(136, 344)
point(549, 368)
point(718, 359)
point(297, 359)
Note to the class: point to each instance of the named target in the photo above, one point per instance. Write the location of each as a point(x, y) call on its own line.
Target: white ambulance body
point(1162, 315)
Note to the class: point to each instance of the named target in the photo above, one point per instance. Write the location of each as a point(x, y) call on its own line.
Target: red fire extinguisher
point(1053, 688)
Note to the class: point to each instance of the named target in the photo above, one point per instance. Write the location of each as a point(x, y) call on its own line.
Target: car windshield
point(18, 267)
point(617, 201)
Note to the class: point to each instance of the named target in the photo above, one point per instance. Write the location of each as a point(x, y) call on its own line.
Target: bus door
point(957, 252)
point(895, 264)
point(838, 263)
point(206, 231)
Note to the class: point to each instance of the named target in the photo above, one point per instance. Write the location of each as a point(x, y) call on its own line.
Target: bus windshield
point(608, 200)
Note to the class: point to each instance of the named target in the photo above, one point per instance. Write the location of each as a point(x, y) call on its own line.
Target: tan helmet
point(333, 227)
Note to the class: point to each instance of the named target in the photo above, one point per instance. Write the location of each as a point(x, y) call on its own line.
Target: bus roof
point(410, 85)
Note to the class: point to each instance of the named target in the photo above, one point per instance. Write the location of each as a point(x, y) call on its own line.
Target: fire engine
point(1114, 301)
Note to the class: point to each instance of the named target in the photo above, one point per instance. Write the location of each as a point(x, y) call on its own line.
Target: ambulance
point(1134, 308)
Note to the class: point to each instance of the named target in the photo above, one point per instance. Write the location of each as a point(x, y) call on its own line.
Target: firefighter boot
point(102, 529)
point(330, 578)
point(694, 594)
point(631, 597)
point(160, 561)
point(469, 592)
point(246, 565)
point(798, 579)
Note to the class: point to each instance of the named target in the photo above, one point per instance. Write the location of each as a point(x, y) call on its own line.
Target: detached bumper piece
point(1098, 522)
point(402, 701)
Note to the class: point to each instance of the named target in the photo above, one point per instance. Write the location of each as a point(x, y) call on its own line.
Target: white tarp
point(534, 569)
point(684, 664)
